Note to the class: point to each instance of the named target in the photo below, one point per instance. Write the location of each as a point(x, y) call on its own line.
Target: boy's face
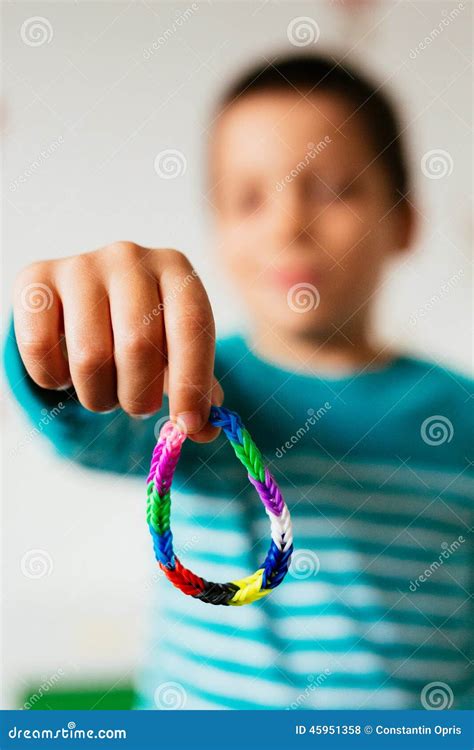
point(305, 211)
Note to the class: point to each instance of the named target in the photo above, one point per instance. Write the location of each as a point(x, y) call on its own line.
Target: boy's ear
point(407, 225)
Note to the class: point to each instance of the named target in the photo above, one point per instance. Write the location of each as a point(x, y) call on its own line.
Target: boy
point(371, 448)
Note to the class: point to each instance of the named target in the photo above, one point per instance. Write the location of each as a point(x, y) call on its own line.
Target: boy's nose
point(291, 218)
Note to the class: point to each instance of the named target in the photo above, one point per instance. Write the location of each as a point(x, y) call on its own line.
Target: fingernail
point(110, 411)
point(217, 395)
point(192, 421)
point(142, 416)
point(64, 387)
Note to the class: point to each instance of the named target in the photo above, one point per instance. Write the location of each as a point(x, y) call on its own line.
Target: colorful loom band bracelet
point(163, 465)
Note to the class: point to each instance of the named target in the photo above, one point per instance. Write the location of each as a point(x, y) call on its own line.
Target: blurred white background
point(91, 96)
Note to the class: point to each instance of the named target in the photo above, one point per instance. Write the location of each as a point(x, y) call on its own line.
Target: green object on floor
point(99, 697)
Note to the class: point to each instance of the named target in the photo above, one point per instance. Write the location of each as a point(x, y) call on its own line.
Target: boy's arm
point(111, 442)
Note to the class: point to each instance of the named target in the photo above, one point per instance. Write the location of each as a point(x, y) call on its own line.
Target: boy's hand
point(133, 320)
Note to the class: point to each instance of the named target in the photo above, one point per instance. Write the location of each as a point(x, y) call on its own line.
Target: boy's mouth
point(288, 277)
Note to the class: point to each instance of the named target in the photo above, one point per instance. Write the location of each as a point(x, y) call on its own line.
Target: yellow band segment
point(250, 589)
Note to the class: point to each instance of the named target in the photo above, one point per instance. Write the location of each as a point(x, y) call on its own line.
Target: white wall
point(101, 106)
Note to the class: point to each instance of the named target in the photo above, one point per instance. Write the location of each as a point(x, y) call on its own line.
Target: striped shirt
point(377, 471)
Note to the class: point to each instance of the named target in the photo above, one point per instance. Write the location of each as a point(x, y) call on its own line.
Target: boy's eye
point(329, 191)
point(249, 200)
point(349, 190)
point(320, 191)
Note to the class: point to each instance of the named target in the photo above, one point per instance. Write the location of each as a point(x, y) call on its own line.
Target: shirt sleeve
point(110, 442)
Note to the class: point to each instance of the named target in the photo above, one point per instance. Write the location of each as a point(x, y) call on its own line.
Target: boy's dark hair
point(316, 73)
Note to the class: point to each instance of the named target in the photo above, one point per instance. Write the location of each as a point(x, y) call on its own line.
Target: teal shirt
point(377, 471)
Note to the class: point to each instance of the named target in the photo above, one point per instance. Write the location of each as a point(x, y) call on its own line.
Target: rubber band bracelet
point(163, 465)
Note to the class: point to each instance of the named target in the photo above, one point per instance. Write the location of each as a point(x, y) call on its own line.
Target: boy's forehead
point(262, 126)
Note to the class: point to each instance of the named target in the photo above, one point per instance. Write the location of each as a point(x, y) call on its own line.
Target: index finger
point(190, 341)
